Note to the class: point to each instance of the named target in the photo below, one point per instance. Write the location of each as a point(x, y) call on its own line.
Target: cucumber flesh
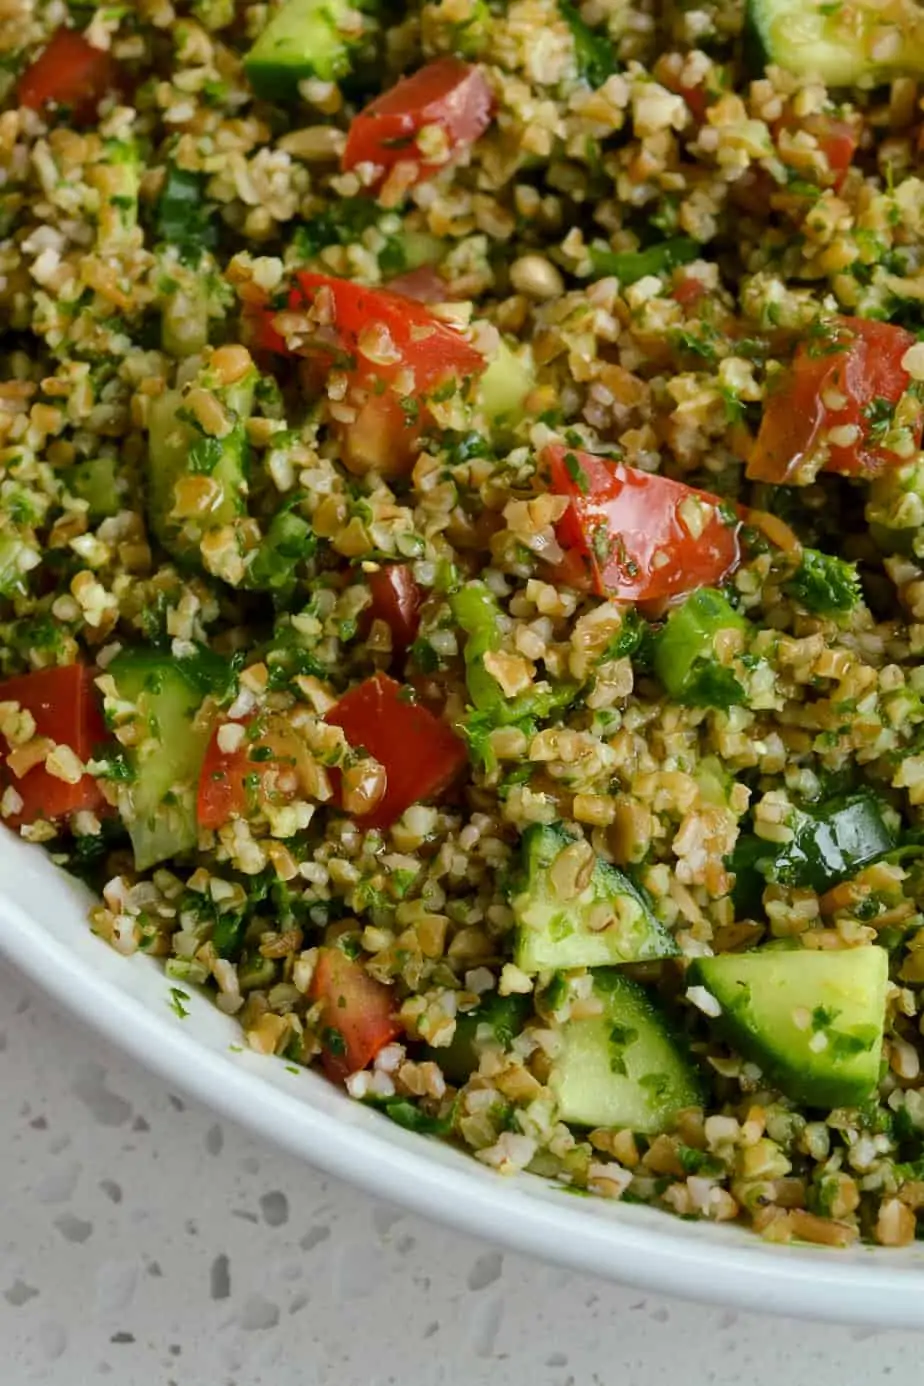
point(177, 450)
point(505, 386)
point(96, 481)
point(812, 1021)
point(624, 1068)
point(498, 1020)
point(853, 43)
point(301, 40)
point(168, 693)
point(560, 926)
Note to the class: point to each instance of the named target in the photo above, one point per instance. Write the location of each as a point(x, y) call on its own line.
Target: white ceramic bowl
point(44, 932)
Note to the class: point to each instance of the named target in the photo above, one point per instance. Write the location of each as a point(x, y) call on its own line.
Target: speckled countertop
point(144, 1244)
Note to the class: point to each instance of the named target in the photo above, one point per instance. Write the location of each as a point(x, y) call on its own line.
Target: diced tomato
point(395, 353)
point(688, 291)
point(837, 140)
point(383, 334)
point(448, 93)
point(66, 710)
point(70, 72)
point(268, 767)
point(357, 1017)
point(396, 600)
point(847, 379)
point(643, 537)
point(420, 754)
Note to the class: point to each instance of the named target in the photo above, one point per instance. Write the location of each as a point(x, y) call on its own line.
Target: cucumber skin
point(793, 1075)
point(645, 940)
point(284, 55)
point(588, 1086)
point(162, 824)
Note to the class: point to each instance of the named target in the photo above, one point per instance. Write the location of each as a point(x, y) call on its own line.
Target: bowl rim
point(657, 1253)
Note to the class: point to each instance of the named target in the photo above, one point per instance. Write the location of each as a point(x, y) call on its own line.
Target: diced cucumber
point(830, 843)
point(624, 1068)
point(576, 910)
point(288, 540)
point(895, 509)
point(505, 385)
point(168, 693)
point(498, 1019)
point(685, 657)
point(177, 450)
point(96, 481)
point(118, 182)
point(846, 44)
point(812, 1020)
point(301, 40)
point(184, 319)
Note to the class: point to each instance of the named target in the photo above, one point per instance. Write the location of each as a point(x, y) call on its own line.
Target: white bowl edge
point(44, 933)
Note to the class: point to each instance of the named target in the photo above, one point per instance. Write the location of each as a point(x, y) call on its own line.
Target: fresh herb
point(629, 266)
point(176, 1002)
point(183, 218)
point(825, 585)
point(594, 53)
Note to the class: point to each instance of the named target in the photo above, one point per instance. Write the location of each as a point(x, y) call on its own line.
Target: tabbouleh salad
point(462, 561)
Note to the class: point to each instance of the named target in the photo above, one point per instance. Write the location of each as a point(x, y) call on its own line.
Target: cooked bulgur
point(503, 690)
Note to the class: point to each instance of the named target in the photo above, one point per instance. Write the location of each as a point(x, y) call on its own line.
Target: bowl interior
point(44, 932)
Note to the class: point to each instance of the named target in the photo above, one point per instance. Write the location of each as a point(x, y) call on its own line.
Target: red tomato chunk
point(396, 600)
point(378, 339)
point(70, 72)
point(831, 408)
point(420, 754)
point(357, 1013)
point(448, 94)
point(66, 710)
point(642, 537)
point(268, 767)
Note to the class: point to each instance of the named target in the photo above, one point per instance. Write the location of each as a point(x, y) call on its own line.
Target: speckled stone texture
point(144, 1244)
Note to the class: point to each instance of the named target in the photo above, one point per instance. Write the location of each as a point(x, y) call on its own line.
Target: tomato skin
point(421, 755)
point(647, 552)
point(688, 291)
point(66, 709)
point(354, 1005)
point(448, 93)
point(69, 71)
point(838, 141)
point(432, 349)
point(379, 339)
point(861, 363)
point(264, 769)
point(396, 599)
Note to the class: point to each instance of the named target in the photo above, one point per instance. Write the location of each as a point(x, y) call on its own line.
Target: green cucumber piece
point(498, 1020)
point(96, 481)
point(844, 44)
point(301, 40)
point(505, 386)
point(625, 1068)
point(830, 843)
point(168, 693)
point(685, 658)
point(606, 921)
point(811, 1020)
point(177, 449)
